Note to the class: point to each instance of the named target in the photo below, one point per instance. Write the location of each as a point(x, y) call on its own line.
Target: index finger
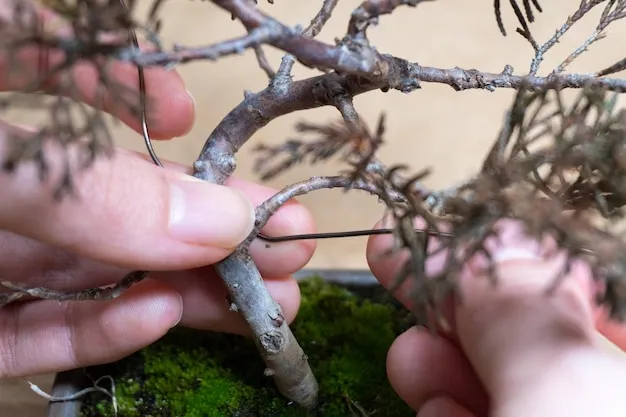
point(103, 83)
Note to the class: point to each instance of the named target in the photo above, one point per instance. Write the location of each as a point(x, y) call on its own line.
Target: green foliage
point(201, 374)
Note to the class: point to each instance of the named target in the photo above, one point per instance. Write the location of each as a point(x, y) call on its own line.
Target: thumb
point(125, 211)
point(535, 352)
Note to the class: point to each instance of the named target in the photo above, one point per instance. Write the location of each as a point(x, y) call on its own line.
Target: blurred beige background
point(434, 127)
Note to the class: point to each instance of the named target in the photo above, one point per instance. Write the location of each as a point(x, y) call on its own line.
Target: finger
point(386, 268)
point(170, 108)
point(38, 264)
point(422, 366)
point(128, 212)
point(443, 407)
point(202, 291)
point(78, 334)
point(283, 258)
point(523, 278)
point(275, 258)
point(527, 346)
point(41, 264)
point(206, 305)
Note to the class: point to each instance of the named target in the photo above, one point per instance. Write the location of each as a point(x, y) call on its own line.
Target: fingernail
point(193, 112)
point(180, 316)
point(442, 406)
point(207, 214)
point(513, 243)
point(193, 100)
point(513, 254)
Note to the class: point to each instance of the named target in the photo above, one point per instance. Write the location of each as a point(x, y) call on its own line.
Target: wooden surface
point(434, 127)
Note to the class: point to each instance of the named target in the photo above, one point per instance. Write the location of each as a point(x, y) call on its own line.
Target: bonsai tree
point(556, 165)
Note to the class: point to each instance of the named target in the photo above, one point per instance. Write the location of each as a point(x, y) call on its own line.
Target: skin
point(511, 351)
point(120, 223)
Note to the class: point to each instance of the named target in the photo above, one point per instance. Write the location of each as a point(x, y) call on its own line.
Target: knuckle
point(71, 348)
point(9, 342)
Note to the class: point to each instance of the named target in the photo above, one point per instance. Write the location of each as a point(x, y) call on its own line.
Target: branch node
point(273, 342)
point(401, 74)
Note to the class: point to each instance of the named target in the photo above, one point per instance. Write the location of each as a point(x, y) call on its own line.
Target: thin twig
point(274, 203)
point(20, 291)
point(263, 62)
point(79, 394)
point(584, 8)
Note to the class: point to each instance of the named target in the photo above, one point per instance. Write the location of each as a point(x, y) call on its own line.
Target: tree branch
point(369, 11)
point(20, 291)
point(268, 208)
point(284, 358)
point(256, 37)
point(317, 23)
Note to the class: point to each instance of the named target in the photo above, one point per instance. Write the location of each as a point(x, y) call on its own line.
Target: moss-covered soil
point(199, 374)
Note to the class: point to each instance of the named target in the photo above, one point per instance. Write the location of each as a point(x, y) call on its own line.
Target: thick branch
point(379, 70)
point(257, 110)
point(362, 61)
point(366, 62)
point(284, 358)
point(406, 76)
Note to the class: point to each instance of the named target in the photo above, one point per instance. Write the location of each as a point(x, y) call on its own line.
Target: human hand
point(130, 215)
point(513, 351)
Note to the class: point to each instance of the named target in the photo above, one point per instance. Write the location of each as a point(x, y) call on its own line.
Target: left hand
point(43, 336)
point(118, 226)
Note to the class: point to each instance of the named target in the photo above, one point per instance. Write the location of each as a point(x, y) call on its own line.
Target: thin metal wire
point(144, 123)
point(350, 233)
point(142, 100)
point(353, 233)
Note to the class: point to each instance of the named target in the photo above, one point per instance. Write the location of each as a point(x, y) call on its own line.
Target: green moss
point(202, 374)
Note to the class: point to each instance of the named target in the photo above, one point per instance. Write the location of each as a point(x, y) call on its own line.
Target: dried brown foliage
point(557, 166)
point(40, 57)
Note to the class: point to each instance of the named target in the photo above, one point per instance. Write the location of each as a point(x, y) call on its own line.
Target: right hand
point(513, 350)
